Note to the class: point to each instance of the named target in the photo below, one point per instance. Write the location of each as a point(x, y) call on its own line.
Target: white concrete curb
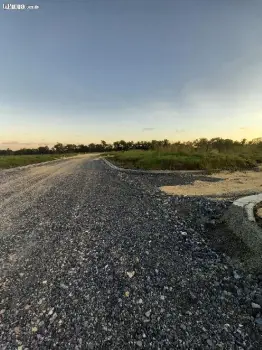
point(137, 171)
point(240, 219)
point(248, 203)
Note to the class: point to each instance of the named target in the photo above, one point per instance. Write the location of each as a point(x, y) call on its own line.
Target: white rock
point(236, 275)
point(255, 306)
point(51, 311)
point(148, 313)
point(130, 274)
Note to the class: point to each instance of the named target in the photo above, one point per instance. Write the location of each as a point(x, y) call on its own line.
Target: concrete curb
point(137, 171)
point(241, 221)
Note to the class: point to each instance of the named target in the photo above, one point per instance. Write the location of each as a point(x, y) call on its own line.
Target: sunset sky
point(83, 71)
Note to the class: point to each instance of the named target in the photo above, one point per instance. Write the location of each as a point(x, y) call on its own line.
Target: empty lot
point(96, 259)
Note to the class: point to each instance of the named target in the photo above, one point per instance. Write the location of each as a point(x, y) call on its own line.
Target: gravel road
point(92, 258)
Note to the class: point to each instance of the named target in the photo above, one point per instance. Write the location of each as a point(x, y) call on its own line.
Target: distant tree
point(117, 146)
point(43, 150)
point(59, 148)
point(70, 148)
point(166, 143)
point(202, 144)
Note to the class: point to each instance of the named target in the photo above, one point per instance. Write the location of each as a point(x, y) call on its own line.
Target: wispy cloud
point(14, 145)
point(245, 128)
point(148, 129)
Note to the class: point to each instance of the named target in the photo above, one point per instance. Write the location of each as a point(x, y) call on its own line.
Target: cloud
point(148, 129)
point(18, 143)
point(14, 145)
point(244, 128)
point(6, 142)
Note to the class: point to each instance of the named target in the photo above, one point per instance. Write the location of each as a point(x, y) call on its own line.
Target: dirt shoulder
point(239, 182)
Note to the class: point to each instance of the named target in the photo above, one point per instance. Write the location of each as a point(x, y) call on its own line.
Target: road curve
point(91, 258)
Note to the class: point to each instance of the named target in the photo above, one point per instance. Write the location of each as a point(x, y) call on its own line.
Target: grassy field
point(17, 160)
point(166, 159)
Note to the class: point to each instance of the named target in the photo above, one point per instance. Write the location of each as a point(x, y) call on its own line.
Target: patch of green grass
point(20, 160)
point(182, 160)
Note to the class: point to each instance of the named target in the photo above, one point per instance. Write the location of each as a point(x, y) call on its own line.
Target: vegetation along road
point(92, 258)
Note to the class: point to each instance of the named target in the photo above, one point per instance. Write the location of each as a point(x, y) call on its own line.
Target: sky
point(82, 71)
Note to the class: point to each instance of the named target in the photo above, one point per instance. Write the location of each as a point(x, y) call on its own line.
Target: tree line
point(202, 144)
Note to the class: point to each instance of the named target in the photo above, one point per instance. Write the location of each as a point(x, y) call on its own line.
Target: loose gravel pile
point(92, 258)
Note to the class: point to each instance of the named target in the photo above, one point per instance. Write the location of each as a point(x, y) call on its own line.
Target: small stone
point(51, 311)
point(258, 321)
point(139, 343)
point(148, 313)
point(27, 307)
point(127, 294)
point(44, 282)
point(140, 301)
point(183, 233)
point(183, 326)
point(130, 274)
point(17, 330)
point(54, 316)
point(236, 275)
point(255, 306)
point(34, 329)
point(162, 297)
point(209, 342)
point(90, 346)
point(63, 286)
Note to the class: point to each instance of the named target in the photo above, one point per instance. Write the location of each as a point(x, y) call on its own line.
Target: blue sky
point(81, 71)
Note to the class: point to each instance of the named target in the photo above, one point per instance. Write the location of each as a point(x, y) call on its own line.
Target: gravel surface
point(92, 258)
point(258, 213)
